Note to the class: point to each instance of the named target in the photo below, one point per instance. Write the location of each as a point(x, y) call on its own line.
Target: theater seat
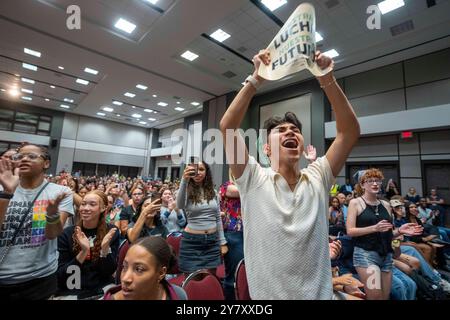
point(202, 285)
point(240, 284)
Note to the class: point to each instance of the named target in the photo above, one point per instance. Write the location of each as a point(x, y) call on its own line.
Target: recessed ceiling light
point(108, 109)
point(47, 99)
point(53, 87)
point(65, 106)
point(152, 1)
point(27, 91)
point(189, 55)
point(117, 103)
point(273, 4)
point(195, 103)
point(29, 66)
point(136, 115)
point(178, 102)
point(27, 98)
point(331, 53)
point(148, 110)
point(60, 67)
point(32, 52)
point(101, 114)
point(28, 80)
point(179, 109)
point(118, 115)
point(83, 82)
point(318, 37)
point(220, 35)
point(390, 5)
point(151, 119)
point(129, 94)
point(125, 25)
point(142, 122)
point(68, 100)
point(91, 71)
point(141, 86)
point(154, 96)
point(133, 107)
point(13, 92)
point(162, 104)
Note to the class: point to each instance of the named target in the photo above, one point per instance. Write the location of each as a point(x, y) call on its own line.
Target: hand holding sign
point(294, 47)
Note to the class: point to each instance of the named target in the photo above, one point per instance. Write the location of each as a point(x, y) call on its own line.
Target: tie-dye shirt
point(232, 221)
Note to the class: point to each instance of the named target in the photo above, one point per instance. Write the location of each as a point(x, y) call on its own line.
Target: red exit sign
point(407, 134)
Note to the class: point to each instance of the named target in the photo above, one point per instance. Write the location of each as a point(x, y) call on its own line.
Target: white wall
point(93, 140)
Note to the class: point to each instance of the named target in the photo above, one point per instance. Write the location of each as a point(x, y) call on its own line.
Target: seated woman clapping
point(89, 249)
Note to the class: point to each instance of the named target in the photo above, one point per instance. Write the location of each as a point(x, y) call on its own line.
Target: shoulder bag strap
point(22, 221)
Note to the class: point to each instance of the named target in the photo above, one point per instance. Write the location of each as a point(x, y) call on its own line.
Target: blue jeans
point(444, 233)
point(235, 243)
point(403, 287)
point(425, 268)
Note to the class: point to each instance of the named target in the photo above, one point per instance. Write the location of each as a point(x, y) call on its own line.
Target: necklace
point(373, 207)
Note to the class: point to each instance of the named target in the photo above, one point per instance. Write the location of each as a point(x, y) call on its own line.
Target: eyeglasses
point(412, 207)
point(372, 181)
point(31, 156)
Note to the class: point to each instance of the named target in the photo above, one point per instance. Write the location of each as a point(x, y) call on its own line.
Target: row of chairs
point(201, 284)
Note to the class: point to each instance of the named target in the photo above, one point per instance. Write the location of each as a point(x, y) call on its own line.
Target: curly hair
point(198, 193)
point(370, 173)
point(102, 228)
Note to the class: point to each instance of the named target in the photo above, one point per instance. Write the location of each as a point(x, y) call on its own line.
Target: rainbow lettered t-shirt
point(32, 255)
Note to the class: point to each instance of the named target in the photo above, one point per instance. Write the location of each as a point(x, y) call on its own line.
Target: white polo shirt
point(286, 233)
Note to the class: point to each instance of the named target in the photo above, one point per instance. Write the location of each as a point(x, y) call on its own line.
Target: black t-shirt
point(127, 213)
point(94, 274)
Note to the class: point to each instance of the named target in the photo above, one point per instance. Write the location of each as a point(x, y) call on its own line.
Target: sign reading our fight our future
point(293, 48)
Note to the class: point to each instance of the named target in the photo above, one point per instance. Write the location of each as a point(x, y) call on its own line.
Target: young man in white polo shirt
point(285, 222)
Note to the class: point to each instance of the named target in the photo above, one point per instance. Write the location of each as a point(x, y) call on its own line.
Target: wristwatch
point(255, 83)
point(4, 195)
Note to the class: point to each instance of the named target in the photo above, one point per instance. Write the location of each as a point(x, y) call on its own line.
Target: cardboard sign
point(294, 47)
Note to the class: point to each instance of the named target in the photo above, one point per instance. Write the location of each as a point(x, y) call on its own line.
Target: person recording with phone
point(147, 221)
point(203, 239)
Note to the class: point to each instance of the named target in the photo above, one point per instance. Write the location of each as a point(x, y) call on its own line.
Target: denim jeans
point(235, 243)
point(425, 268)
point(403, 287)
point(444, 233)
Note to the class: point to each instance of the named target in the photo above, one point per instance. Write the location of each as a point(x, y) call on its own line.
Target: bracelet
point(329, 84)
point(7, 196)
point(51, 219)
point(54, 221)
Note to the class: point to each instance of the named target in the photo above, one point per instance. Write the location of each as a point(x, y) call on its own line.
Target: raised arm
point(235, 147)
point(347, 126)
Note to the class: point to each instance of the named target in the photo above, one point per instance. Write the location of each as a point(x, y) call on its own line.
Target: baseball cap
point(395, 203)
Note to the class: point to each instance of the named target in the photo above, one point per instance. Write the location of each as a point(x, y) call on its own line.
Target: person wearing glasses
point(370, 224)
point(28, 264)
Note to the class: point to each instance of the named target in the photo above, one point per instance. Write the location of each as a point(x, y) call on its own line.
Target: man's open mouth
point(290, 144)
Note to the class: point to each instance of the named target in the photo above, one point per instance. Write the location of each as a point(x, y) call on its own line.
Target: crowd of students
point(61, 236)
